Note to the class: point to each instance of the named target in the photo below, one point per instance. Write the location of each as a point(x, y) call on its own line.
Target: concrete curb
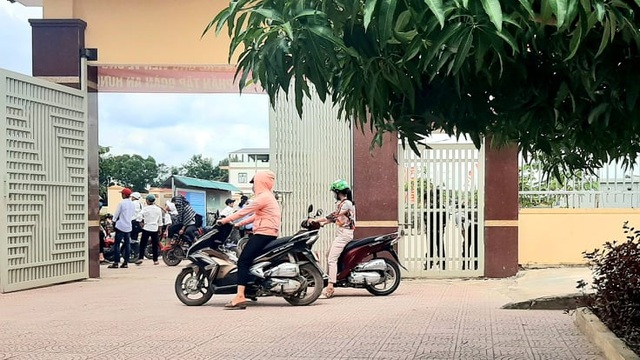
point(563, 302)
point(601, 337)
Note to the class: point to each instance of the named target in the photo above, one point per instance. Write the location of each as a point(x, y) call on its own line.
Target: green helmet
point(339, 185)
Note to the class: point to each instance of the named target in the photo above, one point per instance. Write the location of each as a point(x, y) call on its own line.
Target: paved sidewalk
point(134, 314)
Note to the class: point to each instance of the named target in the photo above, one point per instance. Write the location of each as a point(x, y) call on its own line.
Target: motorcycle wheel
point(241, 244)
point(314, 282)
point(173, 256)
point(148, 252)
point(133, 257)
point(133, 253)
point(189, 283)
point(108, 254)
point(391, 283)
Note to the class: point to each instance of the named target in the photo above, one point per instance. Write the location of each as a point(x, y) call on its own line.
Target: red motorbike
point(371, 263)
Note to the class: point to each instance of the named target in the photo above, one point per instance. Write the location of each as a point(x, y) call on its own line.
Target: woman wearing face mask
point(345, 218)
point(266, 225)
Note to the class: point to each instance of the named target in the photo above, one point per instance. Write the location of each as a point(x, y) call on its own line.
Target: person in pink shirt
point(266, 226)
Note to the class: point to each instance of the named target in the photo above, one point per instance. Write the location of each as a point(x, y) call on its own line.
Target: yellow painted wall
point(114, 197)
point(559, 236)
point(147, 32)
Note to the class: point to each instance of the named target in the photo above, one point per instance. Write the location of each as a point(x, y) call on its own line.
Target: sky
point(169, 127)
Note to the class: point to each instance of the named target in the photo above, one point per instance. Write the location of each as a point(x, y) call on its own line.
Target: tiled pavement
point(134, 314)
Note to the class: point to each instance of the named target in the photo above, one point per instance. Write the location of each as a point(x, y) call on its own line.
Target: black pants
point(189, 232)
point(154, 243)
point(122, 236)
point(102, 238)
point(136, 229)
point(253, 248)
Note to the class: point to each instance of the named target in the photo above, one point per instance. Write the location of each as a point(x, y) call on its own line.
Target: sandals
point(238, 306)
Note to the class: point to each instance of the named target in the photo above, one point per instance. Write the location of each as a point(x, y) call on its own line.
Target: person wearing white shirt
point(228, 210)
point(137, 218)
point(151, 223)
point(122, 217)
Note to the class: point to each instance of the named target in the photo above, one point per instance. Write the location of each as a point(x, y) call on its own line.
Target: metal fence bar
point(611, 186)
point(438, 210)
point(308, 154)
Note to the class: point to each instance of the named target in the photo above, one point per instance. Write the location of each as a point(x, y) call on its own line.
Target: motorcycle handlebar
point(309, 225)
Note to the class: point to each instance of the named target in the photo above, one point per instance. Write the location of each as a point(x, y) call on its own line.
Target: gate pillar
point(375, 184)
point(501, 211)
point(56, 45)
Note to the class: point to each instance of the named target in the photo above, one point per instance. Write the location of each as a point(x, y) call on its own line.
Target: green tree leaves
point(132, 171)
point(140, 173)
point(557, 76)
point(201, 167)
point(437, 9)
point(494, 10)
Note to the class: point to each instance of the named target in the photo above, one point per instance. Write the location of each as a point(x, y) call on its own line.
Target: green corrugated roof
point(200, 183)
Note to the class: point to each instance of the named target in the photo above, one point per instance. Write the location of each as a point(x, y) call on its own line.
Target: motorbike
point(286, 268)
point(371, 263)
point(176, 251)
point(108, 251)
point(163, 245)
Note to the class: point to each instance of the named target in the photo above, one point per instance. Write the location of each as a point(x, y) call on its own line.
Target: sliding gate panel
point(43, 169)
point(441, 213)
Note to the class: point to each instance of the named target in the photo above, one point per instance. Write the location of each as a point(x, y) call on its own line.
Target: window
point(242, 178)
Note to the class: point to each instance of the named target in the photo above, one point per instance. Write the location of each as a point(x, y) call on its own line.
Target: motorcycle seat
point(277, 242)
point(359, 242)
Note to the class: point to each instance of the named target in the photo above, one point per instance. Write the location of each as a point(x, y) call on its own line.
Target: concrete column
point(501, 211)
point(375, 184)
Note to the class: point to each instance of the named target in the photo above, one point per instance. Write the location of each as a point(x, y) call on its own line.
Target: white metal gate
point(441, 199)
point(307, 155)
point(43, 169)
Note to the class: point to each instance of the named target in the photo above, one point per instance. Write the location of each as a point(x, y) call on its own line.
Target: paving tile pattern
point(134, 314)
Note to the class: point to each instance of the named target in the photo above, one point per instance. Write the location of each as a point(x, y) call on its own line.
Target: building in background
point(205, 196)
point(243, 165)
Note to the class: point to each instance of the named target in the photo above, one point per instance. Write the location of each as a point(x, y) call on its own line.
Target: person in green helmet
point(345, 218)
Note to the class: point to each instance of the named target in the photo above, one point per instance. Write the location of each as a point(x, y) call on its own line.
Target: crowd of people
point(148, 222)
point(151, 223)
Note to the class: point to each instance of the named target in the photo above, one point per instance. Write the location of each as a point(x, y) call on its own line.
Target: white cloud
point(15, 36)
point(169, 127)
point(173, 127)
point(18, 11)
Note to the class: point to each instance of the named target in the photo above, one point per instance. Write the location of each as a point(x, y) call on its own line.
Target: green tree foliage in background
point(201, 167)
point(559, 77)
point(140, 173)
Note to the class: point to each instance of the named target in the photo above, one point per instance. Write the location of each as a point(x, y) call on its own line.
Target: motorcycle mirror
point(319, 212)
point(310, 209)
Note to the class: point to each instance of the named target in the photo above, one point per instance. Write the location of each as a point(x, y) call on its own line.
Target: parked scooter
point(371, 263)
point(287, 268)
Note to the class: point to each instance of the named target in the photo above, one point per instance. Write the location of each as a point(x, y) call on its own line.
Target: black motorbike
point(109, 250)
point(287, 268)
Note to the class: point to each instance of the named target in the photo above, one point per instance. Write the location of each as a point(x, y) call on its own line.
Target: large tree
point(559, 77)
point(201, 167)
point(132, 171)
